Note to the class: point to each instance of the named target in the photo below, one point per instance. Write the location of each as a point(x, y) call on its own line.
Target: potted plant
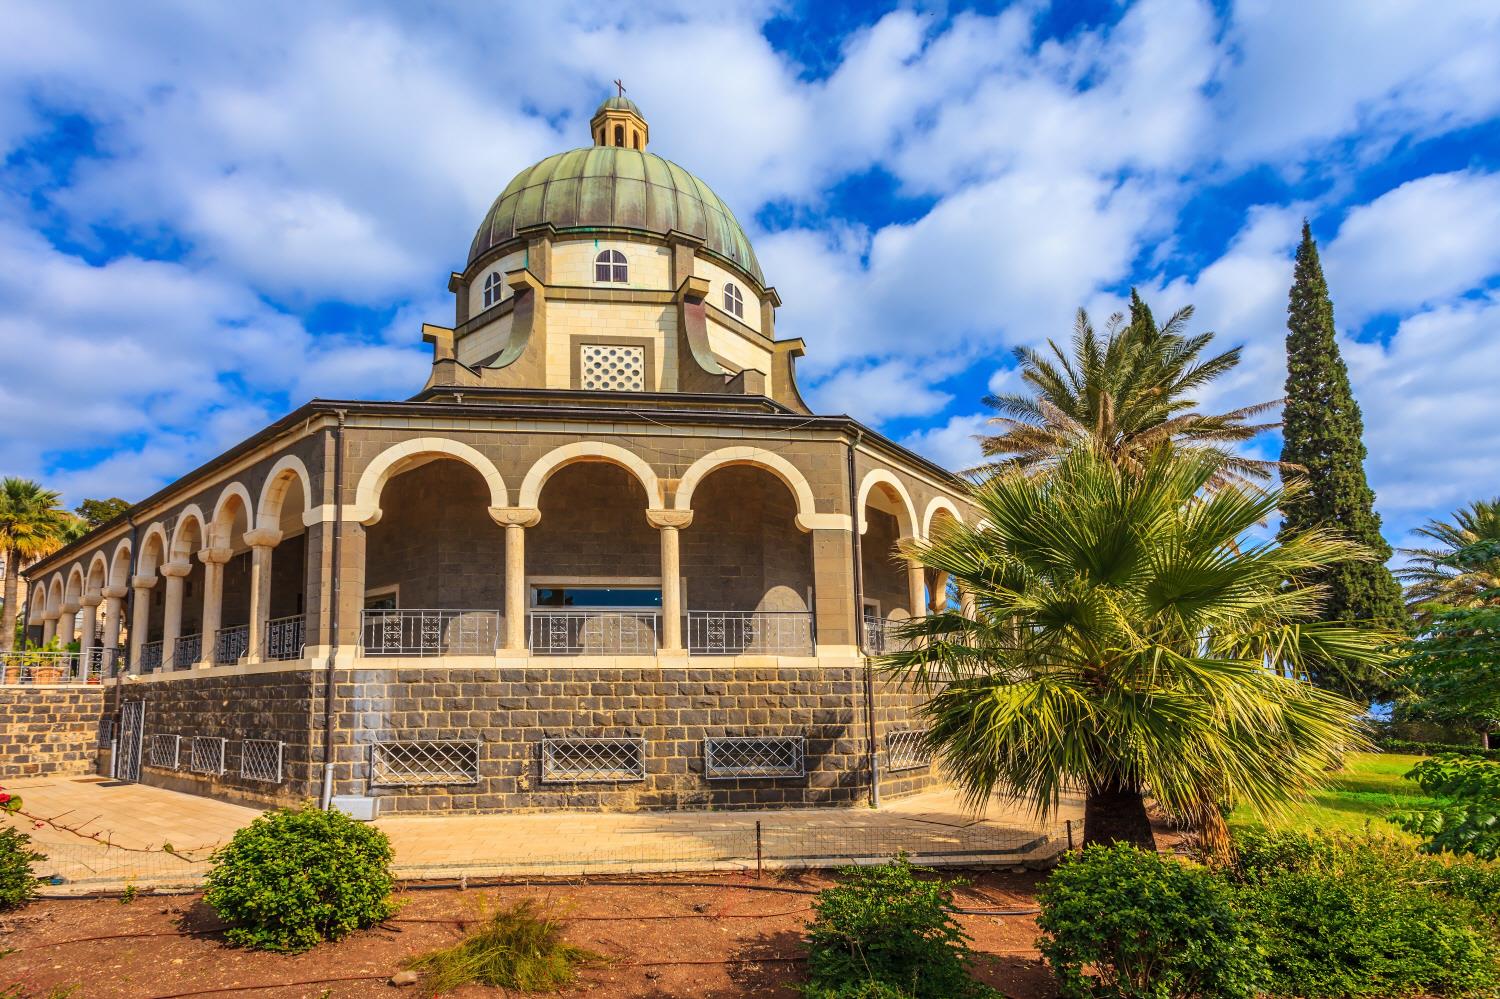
point(45, 663)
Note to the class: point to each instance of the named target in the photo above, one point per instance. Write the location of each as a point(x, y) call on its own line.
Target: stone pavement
point(101, 834)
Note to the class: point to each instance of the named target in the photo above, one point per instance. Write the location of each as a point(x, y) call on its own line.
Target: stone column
point(939, 592)
point(968, 603)
point(916, 589)
point(89, 623)
point(515, 520)
point(176, 574)
point(140, 617)
point(213, 560)
point(49, 629)
point(67, 623)
point(833, 590)
point(114, 607)
point(262, 542)
point(670, 523)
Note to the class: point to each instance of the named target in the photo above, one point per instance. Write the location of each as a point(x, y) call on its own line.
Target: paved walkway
point(104, 834)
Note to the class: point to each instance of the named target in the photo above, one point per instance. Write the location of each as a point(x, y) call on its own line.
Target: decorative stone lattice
point(612, 369)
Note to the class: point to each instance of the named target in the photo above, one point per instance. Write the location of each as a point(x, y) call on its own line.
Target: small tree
point(1323, 434)
point(97, 512)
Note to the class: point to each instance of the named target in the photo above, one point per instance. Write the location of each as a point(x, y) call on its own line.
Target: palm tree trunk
point(12, 591)
point(1116, 814)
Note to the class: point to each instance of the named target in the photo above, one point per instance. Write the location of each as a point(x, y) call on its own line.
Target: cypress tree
point(1323, 432)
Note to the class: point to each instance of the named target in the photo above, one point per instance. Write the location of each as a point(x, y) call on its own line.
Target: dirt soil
point(698, 936)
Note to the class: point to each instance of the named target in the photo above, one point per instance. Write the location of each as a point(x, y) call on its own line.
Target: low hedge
point(1436, 749)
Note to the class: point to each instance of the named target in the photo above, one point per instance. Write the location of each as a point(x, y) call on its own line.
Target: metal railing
point(230, 644)
point(188, 650)
point(285, 637)
point(151, 655)
point(881, 634)
point(735, 633)
point(34, 667)
point(431, 632)
point(593, 633)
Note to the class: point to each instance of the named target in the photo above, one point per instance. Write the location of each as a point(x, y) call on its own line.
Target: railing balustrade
point(431, 632)
point(593, 633)
point(879, 634)
point(188, 650)
point(151, 654)
point(285, 637)
point(33, 666)
point(230, 644)
point(737, 633)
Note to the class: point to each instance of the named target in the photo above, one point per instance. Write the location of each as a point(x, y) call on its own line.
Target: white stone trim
point(219, 530)
point(164, 549)
point(366, 508)
point(808, 519)
point(939, 503)
point(883, 476)
point(272, 492)
point(545, 466)
point(189, 512)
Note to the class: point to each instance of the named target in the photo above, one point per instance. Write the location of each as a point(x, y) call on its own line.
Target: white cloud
point(880, 392)
point(953, 444)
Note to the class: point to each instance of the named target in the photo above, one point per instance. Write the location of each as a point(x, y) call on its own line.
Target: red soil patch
point(700, 936)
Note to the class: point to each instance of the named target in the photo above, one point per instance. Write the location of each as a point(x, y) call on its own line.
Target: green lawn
point(1369, 788)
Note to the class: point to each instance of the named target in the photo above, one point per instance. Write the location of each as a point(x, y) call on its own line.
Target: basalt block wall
point(49, 731)
point(672, 710)
point(278, 706)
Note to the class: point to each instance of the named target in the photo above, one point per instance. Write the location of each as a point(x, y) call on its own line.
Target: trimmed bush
point(1148, 927)
point(1436, 749)
point(1345, 917)
point(294, 878)
point(885, 933)
point(17, 880)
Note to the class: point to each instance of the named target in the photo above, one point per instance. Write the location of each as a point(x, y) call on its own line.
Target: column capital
point(176, 570)
point(669, 518)
point(263, 537)
point(143, 582)
point(215, 556)
point(68, 607)
point(93, 598)
point(516, 516)
point(114, 592)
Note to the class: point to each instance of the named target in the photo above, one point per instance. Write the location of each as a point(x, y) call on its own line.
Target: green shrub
point(886, 932)
point(514, 949)
point(1147, 926)
point(1468, 820)
point(1339, 916)
point(1436, 749)
point(293, 878)
point(17, 881)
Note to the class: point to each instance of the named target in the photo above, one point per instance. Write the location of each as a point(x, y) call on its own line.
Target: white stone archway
point(808, 518)
point(887, 479)
point(288, 469)
point(397, 457)
point(939, 503)
point(568, 454)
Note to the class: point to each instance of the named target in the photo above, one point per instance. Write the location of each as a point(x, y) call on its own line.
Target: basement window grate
point(574, 761)
point(260, 759)
point(207, 755)
point(165, 751)
point(730, 757)
point(404, 764)
point(907, 749)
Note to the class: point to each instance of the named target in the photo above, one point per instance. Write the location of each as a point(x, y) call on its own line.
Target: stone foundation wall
point(275, 706)
point(47, 731)
point(672, 710)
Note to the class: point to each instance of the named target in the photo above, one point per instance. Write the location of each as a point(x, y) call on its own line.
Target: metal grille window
point(260, 759)
point(165, 751)
point(106, 732)
point(617, 369)
point(907, 749)
point(207, 755)
point(396, 764)
point(738, 756)
point(571, 761)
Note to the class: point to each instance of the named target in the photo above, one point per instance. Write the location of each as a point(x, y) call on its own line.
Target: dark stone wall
point(47, 731)
point(743, 550)
point(673, 709)
point(593, 524)
point(897, 709)
point(276, 705)
point(884, 577)
point(436, 540)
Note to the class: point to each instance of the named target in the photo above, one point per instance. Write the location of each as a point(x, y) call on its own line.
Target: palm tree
point(1436, 579)
point(1129, 393)
point(1130, 640)
point(31, 525)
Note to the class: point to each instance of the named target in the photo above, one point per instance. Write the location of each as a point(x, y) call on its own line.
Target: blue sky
point(210, 213)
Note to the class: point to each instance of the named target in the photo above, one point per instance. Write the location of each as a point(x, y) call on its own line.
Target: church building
point(606, 558)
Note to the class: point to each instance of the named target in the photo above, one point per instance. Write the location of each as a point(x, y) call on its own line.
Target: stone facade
point(47, 731)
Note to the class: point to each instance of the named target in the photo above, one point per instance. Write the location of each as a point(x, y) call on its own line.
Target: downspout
point(333, 610)
point(872, 750)
point(115, 714)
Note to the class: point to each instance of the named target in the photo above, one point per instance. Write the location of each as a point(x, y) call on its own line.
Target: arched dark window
point(609, 265)
point(635, 138)
point(493, 286)
point(734, 302)
point(620, 135)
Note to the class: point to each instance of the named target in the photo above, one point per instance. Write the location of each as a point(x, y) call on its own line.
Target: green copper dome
point(610, 187)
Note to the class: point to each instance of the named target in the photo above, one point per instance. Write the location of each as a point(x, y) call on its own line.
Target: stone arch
point(541, 471)
point(885, 479)
point(154, 548)
point(93, 581)
point(288, 469)
point(189, 521)
point(55, 595)
point(394, 460)
point(221, 526)
point(37, 605)
point(119, 564)
point(74, 590)
point(808, 517)
point(938, 503)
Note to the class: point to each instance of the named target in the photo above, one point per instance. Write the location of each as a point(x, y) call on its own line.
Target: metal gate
point(132, 729)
